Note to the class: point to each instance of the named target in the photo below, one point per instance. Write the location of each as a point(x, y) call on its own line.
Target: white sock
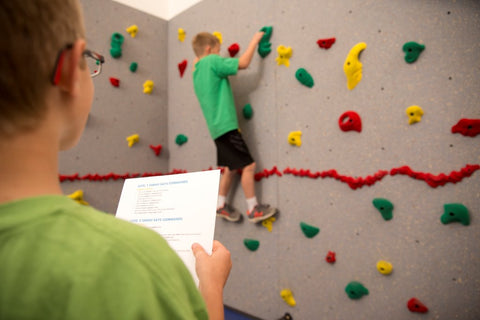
point(251, 203)
point(221, 201)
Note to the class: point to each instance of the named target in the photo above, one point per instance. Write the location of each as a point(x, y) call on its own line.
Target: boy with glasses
point(59, 259)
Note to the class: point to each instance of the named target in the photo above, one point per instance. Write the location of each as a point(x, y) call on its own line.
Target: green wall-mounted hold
point(355, 290)
point(181, 139)
point(247, 111)
point(265, 47)
point(455, 212)
point(304, 77)
point(133, 66)
point(308, 230)
point(412, 51)
point(385, 207)
point(251, 244)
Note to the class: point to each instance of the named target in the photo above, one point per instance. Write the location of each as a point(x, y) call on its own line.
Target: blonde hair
point(203, 40)
point(33, 33)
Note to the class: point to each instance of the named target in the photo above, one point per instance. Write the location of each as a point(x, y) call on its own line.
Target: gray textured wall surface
point(120, 112)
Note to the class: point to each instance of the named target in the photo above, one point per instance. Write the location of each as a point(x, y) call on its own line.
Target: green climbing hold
point(385, 207)
point(265, 47)
point(133, 66)
point(308, 230)
point(455, 212)
point(251, 244)
point(247, 111)
point(355, 290)
point(412, 51)
point(116, 52)
point(117, 40)
point(181, 139)
point(304, 77)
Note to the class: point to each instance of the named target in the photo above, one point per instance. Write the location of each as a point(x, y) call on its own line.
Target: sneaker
point(229, 213)
point(261, 212)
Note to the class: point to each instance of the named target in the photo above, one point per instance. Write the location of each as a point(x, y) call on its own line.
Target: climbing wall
point(389, 158)
point(103, 156)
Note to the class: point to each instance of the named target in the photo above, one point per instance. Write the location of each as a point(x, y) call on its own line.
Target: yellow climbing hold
point(133, 139)
point(414, 114)
point(284, 55)
point(384, 267)
point(181, 34)
point(352, 66)
point(287, 296)
point(219, 36)
point(78, 197)
point(294, 138)
point(268, 223)
point(148, 86)
point(133, 30)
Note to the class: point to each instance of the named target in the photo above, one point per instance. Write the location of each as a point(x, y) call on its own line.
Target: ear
point(71, 68)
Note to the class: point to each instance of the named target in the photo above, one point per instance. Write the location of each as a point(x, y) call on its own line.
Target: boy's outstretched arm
point(212, 271)
point(246, 57)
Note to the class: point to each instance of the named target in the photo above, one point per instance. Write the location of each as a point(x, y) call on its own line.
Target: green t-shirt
point(210, 81)
point(62, 260)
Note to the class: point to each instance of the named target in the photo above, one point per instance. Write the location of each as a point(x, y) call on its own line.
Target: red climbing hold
point(182, 66)
point(467, 127)
point(115, 82)
point(156, 149)
point(330, 258)
point(233, 49)
point(326, 43)
point(350, 120)
point(415, 305)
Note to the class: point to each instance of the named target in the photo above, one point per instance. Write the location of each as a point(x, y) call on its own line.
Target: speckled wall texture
point(436, 263)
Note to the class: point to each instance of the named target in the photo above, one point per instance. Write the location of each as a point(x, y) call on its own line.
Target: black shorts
point(232, 152)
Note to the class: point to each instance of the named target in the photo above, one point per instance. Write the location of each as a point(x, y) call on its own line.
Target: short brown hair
point(33, 32)
point(202, 40)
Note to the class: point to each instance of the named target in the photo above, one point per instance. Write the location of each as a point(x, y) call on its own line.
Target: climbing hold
point(133, 66)
point(294, 138)
point(181, 67)
point(352, 66)
point(349, 121)
point(148, 86)
point(384, 267)
point(264, 46)
point(78, 197)
point(304, 77)
point(132, 139)
point(181, 34)
point(287, 296)
point(247, 111)
point(455, 212)
point(132, 30)
point(412, 51)
point(268, 223)
point(116, 52)
point(115, 82)
point(385, 207)
point(251, 244)
point(414, 114)
point(233, 49)
point(156, 149)
point(330, 258)
point(467, 127)
point(181, 139)
point(286, 316)
point(355, 290)
point(116, 45)
point(308, 230)
point(415, 305)
point(218, 35)
point(325, 43)
point(284, 55)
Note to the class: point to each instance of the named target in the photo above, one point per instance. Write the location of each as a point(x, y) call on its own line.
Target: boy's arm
point(246, 57)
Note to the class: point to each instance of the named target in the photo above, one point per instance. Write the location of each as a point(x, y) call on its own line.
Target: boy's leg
point(248, 180)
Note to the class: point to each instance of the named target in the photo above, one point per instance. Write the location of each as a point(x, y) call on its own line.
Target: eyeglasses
point(93, 59)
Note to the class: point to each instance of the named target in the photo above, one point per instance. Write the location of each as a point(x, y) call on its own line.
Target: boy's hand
point(212, 270)
point(258, 36)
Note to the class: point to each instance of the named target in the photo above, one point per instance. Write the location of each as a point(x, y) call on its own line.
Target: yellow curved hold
point(268, 223)
point(133, 30)
point(219, 36)
point(133, 139)
point(78, 197)
point(414, 114)
point(384, 267)
point(352, 66)
point(284, 55)
point(181, 34)
point(294, 138)
point(148, 86)
point(287, 296)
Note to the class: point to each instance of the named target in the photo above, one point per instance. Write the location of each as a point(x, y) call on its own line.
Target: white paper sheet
point(180, 207)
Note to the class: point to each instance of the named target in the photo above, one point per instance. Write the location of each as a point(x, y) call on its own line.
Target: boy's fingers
point(197, 250)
